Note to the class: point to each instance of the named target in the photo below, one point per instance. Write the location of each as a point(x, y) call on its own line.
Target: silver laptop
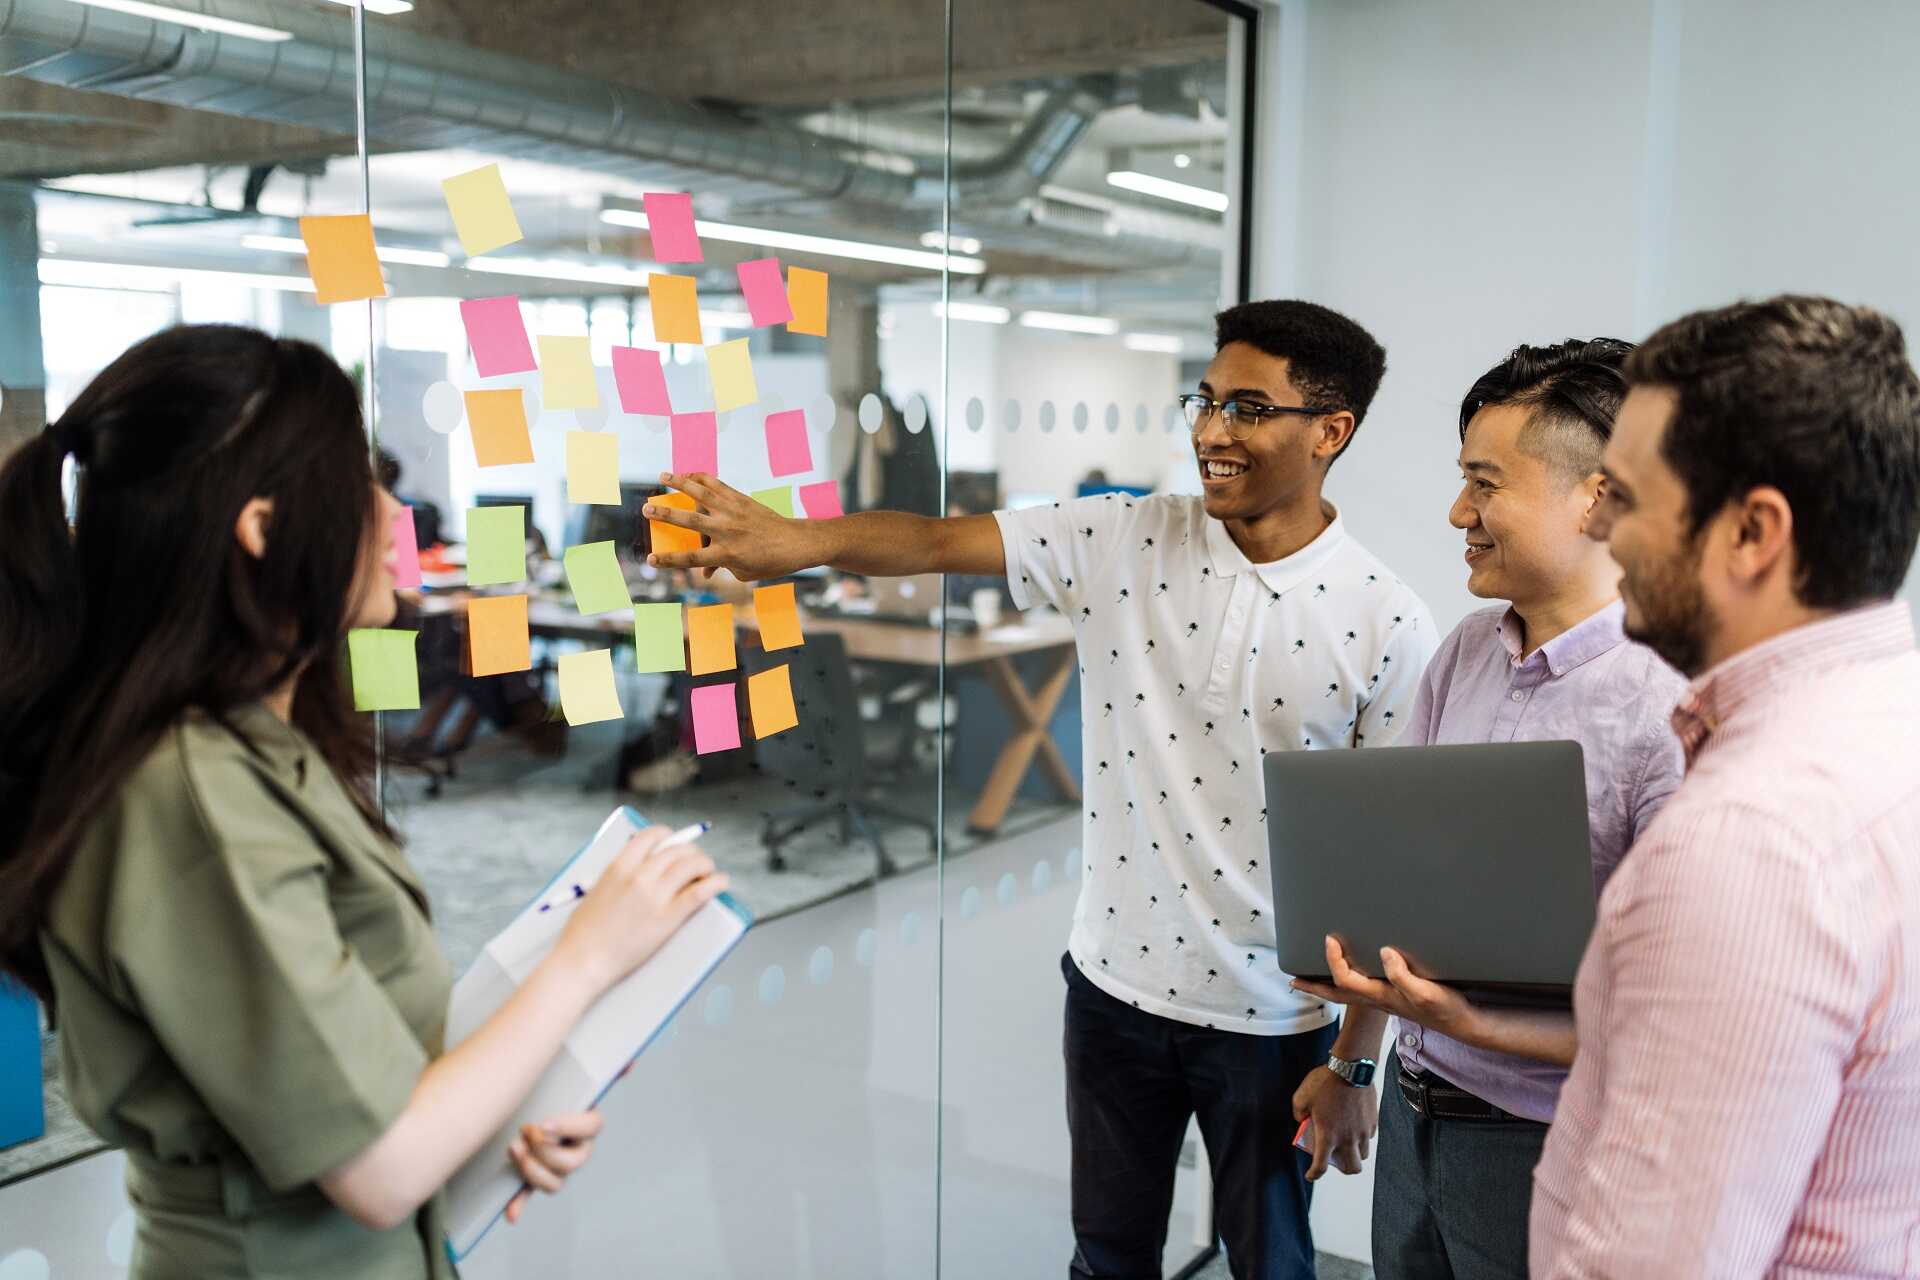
point(1472, 861)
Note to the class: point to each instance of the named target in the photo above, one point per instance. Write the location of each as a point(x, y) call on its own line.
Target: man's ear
point(1335, 432)
point(250, 529)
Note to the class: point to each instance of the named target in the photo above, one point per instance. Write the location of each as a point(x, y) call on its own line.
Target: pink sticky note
point(765, 290)
point(497, 335)
point(821, 501)
point(716, 718)
point(406, 550)
point(696, 446)
point(641, 381)
point(787, 447)
point(670, 223)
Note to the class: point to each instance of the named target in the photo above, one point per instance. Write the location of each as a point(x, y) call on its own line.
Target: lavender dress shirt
point(1589, 684)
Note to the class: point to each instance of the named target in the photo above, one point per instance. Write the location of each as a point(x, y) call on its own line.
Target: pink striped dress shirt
point(1746, 1099)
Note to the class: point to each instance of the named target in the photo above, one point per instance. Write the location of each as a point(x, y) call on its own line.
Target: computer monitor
point(973, 493)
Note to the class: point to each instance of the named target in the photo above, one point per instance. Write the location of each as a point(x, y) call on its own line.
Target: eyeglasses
point(1241, 417)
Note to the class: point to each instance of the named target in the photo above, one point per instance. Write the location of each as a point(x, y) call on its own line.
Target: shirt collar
point(1584, 641)
point(281, 745)
point(1279, 576)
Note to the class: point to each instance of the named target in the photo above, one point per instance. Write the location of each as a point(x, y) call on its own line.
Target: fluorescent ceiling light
point(859, 250)
point(1100, 326)
point(115, 275)
point(725, 320)
point(1084, 199)
point(984, 313)
point(560, 269)
point(1167, 189)
point(379, 6)
point(959, 244)
point(404, 257)
point(1163, 342)
point(190, 18)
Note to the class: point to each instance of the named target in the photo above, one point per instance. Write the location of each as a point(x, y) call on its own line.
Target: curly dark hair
point(1574, 389)
point(1814, 398)
point(1331, 360)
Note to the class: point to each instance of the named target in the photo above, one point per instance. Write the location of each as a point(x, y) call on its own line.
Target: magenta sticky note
point(406, 550)
point(696, 443)
point(640, 380)
point(670, 223)
point(497, 335)
point(787, 447)
point(765, 290)
point(821, 501)
point(716, 718)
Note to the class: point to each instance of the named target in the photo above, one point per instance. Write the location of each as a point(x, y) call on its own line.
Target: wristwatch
point(1357, 1072)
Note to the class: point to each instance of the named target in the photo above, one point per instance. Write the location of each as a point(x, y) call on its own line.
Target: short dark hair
point(1816, 399)
point(1574, 389)
point(1331, 360)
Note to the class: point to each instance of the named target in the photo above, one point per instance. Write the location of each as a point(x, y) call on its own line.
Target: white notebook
point(619, 1026)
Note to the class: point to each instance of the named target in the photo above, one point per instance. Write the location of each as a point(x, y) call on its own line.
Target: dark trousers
point(1133, 1080)
point(1450, 1197)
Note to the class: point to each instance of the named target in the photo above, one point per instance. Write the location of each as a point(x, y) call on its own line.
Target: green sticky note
point(780, 499)
point(593, 574)
point(496, 545)
point(659, 637)
point(385, 675)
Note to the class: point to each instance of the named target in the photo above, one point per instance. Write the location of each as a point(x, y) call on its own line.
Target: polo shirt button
point(1519, 696)
point(1410, 1040)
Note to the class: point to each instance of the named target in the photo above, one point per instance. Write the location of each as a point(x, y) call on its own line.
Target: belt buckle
point(1421, 1097)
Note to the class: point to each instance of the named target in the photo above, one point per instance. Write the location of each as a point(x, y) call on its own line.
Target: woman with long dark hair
point(194, 874)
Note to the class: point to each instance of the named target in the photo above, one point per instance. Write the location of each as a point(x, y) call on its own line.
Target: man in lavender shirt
point(1469, 1091)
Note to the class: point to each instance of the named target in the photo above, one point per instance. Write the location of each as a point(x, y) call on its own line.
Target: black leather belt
point(1438, 1099)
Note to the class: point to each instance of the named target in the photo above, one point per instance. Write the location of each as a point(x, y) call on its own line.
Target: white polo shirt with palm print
point(1195, 663)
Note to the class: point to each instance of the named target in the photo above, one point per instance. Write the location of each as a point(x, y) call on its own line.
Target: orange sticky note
point(340, 258)
point(497, 633)
point(499, 422)
point(710, 639)
point(778, 616)
point(671, 537)
point(807, 295)
point(676, 308)
point(770, 699)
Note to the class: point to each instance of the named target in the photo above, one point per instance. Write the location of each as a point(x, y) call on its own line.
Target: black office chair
point(825, 755)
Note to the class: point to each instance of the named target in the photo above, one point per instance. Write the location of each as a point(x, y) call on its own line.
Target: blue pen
point(685, 835)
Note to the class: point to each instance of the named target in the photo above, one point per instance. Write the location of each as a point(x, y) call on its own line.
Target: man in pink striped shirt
point(1746, 1096)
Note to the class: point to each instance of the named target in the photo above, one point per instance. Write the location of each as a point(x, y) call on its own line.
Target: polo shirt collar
point(1582, 642)
point(1280, 576)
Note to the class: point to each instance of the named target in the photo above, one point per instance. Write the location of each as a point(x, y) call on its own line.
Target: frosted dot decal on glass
point(1141, 418)
point(719, 1007)
point(773, 984)
point(864, 947)
point(25, 1264)
point(870, 413)
point(970, 903)
point(820, 966)
point(910, 928)
point(1011, 415)
point(1042, 876)
point(443, 406)
point(917, 414)
point(824, 412)
point(976, 414)
point(1006, 889)
point(1046, 415)
point(1113, 418)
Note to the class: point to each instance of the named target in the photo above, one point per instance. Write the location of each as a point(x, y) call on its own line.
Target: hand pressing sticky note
point(482, 213)
point(779, 617)
point(675, 302)
point(566, 374)
point(594, 577)
point(696, 444)
point(765, 291)
point(770, 702)
point(670, 226)
point(593, 467)
point(496, 545)
point(587, 695)
point(664, 537)
point(659, 638)
point(641, 382)
point(406, 550)
point(731, 368)
point(710, 639)
point(497, 636)
point(498, 336)
point(807, 295)
point(780, 499)
point(716, 718)
point(788, 451)
point(385, 676)
point(341, 260)
point(498, 420)
point(821, 501)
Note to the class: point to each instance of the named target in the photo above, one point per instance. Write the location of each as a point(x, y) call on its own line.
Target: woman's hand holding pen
point(640, 900)
point(544, 1154)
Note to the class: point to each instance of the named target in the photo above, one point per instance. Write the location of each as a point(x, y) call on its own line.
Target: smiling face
point(1286, 456)
point(1522, 514)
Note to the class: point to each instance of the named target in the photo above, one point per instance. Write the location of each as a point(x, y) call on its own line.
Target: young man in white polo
point(1212, 630)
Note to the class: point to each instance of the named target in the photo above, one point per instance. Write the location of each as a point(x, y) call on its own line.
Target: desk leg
point(1031, 713)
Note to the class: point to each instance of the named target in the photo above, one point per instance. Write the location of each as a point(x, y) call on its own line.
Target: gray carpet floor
point(1328, 1266)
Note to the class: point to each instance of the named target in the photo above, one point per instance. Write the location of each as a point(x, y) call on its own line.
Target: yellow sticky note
point(340, 258)
point(498, 419)
point(710, 639)
point(770, 698)
point(587, 695)
point(497, 635)
point(593, 467)
point(731, 369)
point(676, 308)
point(671, 537)
point(482, 214)
point(566, 374)
point(807, 295)
point(778, 616)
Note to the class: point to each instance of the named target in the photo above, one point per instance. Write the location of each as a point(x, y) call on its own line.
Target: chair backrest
point(828, 747)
